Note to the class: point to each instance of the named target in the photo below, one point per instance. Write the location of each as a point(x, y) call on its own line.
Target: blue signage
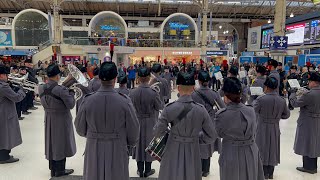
point(174, 25)
point(245, 59)
point(248, 53)
point(5, 37)
point(109, 28)
point(217, 53)
point(279, 43)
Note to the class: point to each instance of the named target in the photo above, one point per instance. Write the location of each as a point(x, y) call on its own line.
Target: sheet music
point(256, 91)
point(242, 74)
point(218, 75)
point(294, 83)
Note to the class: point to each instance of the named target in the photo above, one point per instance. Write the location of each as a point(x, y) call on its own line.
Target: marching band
point(142, 122)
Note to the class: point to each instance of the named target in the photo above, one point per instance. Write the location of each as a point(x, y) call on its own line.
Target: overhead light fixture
point(220, 27)
point(291, 15)
point(269, 21)
point(227, 31)
point(224, 32)
point(74, 20)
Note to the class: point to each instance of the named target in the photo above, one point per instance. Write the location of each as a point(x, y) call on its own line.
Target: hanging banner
point(5, 37)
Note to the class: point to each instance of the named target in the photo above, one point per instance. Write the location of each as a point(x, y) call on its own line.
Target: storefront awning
point(13, 53)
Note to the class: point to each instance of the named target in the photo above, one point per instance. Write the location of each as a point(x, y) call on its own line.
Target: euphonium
point(23, 82)
point(154, 84)
point(74, 79)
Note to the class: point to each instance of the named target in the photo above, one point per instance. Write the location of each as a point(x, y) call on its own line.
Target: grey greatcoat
point(275, 74)
point(59, 133)
point(94, 84)
point(258, 82)
point(109, 122)
point(123, 90)
point(240, 158)
point(307, 141)
point(147, 104)
point(206, 150)
point(244, 93)
point(270, 108)
point(181, 159)
point(169, 78)
point(10, 135)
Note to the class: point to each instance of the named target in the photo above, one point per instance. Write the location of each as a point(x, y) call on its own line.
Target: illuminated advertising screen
point(266, 36)
point(295, 34)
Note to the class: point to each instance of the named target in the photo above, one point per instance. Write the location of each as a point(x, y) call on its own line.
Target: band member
point(10, 135)
point(122, 80)
point(169, 77)
point(307, 141)
point(234, 72)
point(272, 67)
point(208, 98)
point(108, 120)
point(147, 104)
point(163, 84)
point(236, 124)
point(15, 72)
point(24, 102)
point(95, 82)
point(258, 81)
point(304, 77)
point(282, 75)
point(189, 120)
point(270, 108)
point(293, 75)
point(59, 135)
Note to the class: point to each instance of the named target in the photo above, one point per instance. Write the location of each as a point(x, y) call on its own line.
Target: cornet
point(74, 79)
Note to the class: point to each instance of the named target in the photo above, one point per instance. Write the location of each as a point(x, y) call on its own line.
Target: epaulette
point(221, 111)
point(169, 103)
point(89, 94)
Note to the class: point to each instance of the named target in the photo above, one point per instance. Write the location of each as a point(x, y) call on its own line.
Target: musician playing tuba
point(147, 104)
point(57, 101)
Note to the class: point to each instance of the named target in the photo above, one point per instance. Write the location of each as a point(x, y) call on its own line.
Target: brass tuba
point(74, 79)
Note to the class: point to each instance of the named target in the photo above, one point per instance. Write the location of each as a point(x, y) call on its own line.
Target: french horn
point(74, 80)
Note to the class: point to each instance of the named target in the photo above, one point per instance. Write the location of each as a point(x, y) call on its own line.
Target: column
point(205, 8)
point(279, 26)
point(57, 26)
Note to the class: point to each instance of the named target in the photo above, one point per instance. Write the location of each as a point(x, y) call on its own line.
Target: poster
point(5, 37)
point(254, 37)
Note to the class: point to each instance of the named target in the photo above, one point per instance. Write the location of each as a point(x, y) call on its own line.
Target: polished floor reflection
point(34, 166)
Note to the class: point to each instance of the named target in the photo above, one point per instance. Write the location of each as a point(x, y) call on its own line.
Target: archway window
point(108, 26)
point(31, 29)
point(179, 28)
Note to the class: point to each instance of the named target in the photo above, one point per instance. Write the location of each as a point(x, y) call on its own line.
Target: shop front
point(217, 56)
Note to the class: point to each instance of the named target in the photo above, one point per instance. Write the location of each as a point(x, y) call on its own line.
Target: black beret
point(234, 70)
point(314, 76)
point(83, 69)
point(14, 67)
point(166, 67)
point(294, 67)
point(4, 69)
point(108, 71)
point(185, 79)
point(273, 63)
point(271, 82)
point(156, 67)
point(143, 72)
point(203, 76)
point(232, 85)
point(23, 67)
point(53, 70)
point(279, 63)
point(96, 71)
point(122, 78)
point(261, 69)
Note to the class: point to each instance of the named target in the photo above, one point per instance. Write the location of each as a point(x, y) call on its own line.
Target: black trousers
point(310, 163)
point(57, 166)
point(30, 98)
point(144, 166)
point(130, 83)
point(205, 165)
point(268, 170)
point(4, 154)
point(289, 104)
point(24, 104)
point(18, 107)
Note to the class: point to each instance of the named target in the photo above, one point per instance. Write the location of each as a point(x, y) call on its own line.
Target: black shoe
point(63, 173)
point(33, 108)
point(266, 176)
point(147, 174)
point(205, 174)
point(52, 173)
point(26, 113)
point(302, 169)
point(270, 176)
point(10, 160)
point(21, 118)
point(139, 174)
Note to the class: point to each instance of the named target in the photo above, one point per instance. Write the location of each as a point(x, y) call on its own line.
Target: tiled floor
point(34, 166)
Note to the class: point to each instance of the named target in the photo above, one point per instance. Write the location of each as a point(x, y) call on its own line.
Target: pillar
point(205, 7)
point(279, 26)
point(57, 26)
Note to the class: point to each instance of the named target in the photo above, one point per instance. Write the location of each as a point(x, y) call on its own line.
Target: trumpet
point(23, 82)
point(154, 84)
point(74, 79)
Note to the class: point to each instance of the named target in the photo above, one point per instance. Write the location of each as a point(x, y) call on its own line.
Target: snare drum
point(157, 146)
